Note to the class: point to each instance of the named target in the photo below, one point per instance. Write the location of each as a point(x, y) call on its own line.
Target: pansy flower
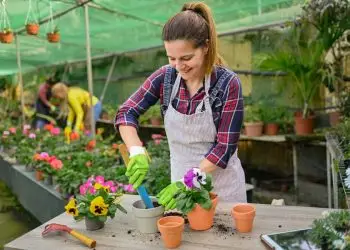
point(194, 178)
point(98, 206)
point(71, 207)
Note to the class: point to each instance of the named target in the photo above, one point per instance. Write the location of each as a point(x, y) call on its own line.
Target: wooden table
point(120, 233)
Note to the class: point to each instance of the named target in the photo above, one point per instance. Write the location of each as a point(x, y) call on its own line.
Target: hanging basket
point(53, 37)
point(6, 37)
point(32, 29)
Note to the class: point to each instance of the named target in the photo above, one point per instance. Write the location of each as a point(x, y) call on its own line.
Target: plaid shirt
point(229, 115)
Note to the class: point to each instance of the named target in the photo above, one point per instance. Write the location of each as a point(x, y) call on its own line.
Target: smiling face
point(186, 59)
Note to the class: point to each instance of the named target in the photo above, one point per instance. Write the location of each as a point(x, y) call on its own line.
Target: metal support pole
point(329, 184)
point(295, 172)
point(110, 73)
point(89, 67)
point(20, 79)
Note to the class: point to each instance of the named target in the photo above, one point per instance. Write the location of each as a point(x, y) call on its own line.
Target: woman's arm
point(230, 123)
point(129, 136)
point(148, 94)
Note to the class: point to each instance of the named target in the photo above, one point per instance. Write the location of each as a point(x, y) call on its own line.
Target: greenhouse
point(225, 123)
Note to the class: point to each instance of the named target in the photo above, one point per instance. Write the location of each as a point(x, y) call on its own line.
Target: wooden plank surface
point(121, 233)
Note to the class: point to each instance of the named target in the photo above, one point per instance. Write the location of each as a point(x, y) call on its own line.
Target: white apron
point(190, 137)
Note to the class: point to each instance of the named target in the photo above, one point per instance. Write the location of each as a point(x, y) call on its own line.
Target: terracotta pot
point(32, 29)
point(93, 224)
point(155, 121)
point(253, 128)
point(201, 219)
point(7, 37)
point(243, 217)
point(39, 175)
point(146, 219)
point(171, 228)
point(271, 129)
point(53, 37)
point(334, 118)
point(304, 126)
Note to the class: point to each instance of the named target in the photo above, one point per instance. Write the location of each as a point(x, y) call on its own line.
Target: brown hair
point(195, 23)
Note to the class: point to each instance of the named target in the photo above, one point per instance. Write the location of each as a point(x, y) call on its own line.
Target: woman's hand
point(166, 196)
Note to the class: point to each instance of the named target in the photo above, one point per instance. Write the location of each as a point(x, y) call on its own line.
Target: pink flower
point(109, 184)
point(87, 132)
point(12, 130)
point(100, 179)
point(56, 164)
point(32, 136)
point(55, 131)
point(128, 188)
point(113, 189)
point(44, 156)
point(25, 131)
point(92, 190)
point(26, 127)
point(83, 189)
point(90, 180)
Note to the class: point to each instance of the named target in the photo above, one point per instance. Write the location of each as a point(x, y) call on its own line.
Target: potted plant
point(302, 57)
point(98, 199)
point(32, 29)
point(194, 199)
point(6, 36)
point(332, 230)
point(252, 121)
point(152, 116)
point(272, 117)
point(53, 36)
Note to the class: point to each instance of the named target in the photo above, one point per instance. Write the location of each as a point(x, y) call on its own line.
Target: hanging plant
point(32, 24)
point(54, 36)
point(6, 34)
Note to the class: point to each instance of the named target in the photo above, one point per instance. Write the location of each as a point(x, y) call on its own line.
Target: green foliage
point(158, 176)
point(273, 114)
point(302, 57)
point(153, 112)
point(252, 113)
point(333, 228)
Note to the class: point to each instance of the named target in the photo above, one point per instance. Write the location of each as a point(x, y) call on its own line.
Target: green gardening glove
point(166, 196)
point(137, 169)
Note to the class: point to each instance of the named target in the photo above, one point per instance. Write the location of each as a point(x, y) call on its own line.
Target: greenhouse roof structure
point(117, 26)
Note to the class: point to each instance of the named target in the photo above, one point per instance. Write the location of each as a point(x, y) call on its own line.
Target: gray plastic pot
point(146, 219)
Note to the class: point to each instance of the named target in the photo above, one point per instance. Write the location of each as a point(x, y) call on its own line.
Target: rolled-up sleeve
point(230, 124)
point(147, 95)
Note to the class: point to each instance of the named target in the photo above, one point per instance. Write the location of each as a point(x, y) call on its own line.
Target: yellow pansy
point(98, 206)
point(71, 207)
point(347, 238)
point(98, 186)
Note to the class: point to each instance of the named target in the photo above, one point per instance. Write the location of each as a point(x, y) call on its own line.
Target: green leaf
point(102, 218)
point(112, 209)
point(121, 208)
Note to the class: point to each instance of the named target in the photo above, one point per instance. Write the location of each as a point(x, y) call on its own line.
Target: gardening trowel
point(141, 189)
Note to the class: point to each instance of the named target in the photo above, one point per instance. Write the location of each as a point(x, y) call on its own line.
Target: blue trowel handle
point(145, 197)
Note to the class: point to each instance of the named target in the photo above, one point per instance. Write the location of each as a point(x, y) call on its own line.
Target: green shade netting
point(119, 26)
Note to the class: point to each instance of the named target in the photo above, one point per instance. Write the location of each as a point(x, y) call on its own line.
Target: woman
point(202, 105)
point(43, 106)
point(76, 103)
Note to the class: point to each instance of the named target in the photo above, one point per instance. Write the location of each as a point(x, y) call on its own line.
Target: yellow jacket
point(78, 97)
